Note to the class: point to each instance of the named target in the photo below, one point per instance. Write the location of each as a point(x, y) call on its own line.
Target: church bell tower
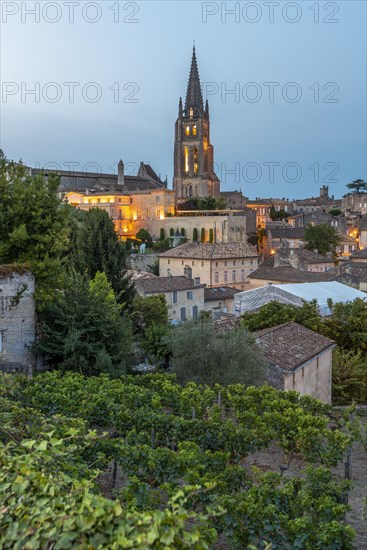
point(194, 174)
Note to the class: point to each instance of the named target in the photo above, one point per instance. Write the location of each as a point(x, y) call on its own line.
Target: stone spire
point(194, 99)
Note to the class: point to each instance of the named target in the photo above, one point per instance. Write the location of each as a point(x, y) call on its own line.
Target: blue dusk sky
point(286, 84)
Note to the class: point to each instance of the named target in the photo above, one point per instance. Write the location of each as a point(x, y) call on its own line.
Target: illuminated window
point(191, 112)
point(158, 214)
point(196, 157)
point(187, 130)
point(186, 159)
point(194, 130)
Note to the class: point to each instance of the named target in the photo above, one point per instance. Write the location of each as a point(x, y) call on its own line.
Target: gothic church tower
point(194, 174)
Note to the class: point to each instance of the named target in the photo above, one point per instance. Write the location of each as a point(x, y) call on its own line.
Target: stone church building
point(194, 174)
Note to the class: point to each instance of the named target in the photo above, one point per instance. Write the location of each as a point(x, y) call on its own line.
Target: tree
point(144, 235)
point(34, 225)
point(323, 237)
point(202, 355)
point(358, 186)
point(278, 215)
point(335, 212)
point(274, 313)
point(202, 237)
point(195, 234)
point(347, 325)
point(349, 377)
point(83, 330)
point(162, 234)
point(95, 247)
point(211, 235)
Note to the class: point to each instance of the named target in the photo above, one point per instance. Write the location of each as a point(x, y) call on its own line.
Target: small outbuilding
point(298, 359)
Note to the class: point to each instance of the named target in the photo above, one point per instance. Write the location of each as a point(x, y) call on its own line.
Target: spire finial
point(194, 97)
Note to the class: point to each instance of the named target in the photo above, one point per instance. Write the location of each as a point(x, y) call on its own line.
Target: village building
point(219, 301)
point(184, 296)
point(355, 202)
point(296, 294)
point(282, 235)
point(297, 359)
point(322, 203)
point(215, 265)
point(17, 319)
point(263, 208)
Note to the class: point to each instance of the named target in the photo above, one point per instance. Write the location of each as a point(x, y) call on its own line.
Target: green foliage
point(358, 186)
point(83, 329)
point(150, 323)
point(335, 212)
point(144, 235)
point(274, 313)
point(201, 354)
point(349, 377)
point(183, 232)
point(278, 215)
point(347, 325)
point(154, 267)
point(185, 481)
point(322, 237)
point(195, 235)
point(171, 232)
point(206, 203)
point(95, 247)
point(211, 235)
point(202, 235)
point(162, 234)
point(34, 225)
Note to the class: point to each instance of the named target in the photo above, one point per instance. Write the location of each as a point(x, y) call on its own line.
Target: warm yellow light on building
point(161, 216)
point(272, 251)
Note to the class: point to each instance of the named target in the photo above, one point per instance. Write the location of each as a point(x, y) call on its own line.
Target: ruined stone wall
point(17, 320)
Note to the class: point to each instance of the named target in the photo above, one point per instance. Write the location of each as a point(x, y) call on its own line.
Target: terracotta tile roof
point(158, 285)
point(287, 232)
point(219, 293)
point(212, 251)
point(291, 345)
point(226, 324)
point(291, 274)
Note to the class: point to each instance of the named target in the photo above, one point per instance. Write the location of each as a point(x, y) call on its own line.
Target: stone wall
point(314, 378)
point(141, 262)
point(17, 320)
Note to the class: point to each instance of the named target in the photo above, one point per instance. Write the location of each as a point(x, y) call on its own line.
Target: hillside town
point(160, 344)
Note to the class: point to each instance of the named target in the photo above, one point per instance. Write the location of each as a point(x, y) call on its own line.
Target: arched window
point(190, 190)
point(191, 112)
point(196, 161)
point(186, 160)
point(187, 130)
point(194, 130)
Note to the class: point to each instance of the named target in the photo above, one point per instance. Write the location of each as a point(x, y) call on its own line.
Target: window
point(195, 311)
point(216, 277)
point(158, 198)
point(191, 112)
point(187, 130)
point(216, 264)
point(225, 263)
point(225, 276)
point(196, 160)
point(194, 130)
point(242, 275)
point(183, 314)
point(158, 214)
point(234, 262)
point(192, 263)
point(233, 276)
point(196, 280)
point(186, 160)
point(189, 294)
point(168, 273)
point(169, 261)
point(174, 297)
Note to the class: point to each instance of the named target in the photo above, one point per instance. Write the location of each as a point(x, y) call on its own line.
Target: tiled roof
point(287, 232)
point(157, 285)
point(219, 293)
point(291, 345)
point(226, 324)
point(360, 254)
point(290, 274)
point(211, 251)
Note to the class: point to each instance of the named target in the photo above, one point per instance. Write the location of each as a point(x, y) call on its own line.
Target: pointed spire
point(194, 98)
point(180, 107)
point(207, 107)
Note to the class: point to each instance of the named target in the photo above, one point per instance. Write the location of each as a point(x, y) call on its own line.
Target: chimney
point(121, 174)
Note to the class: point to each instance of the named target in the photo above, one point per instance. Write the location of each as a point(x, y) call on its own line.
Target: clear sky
point(296, 118)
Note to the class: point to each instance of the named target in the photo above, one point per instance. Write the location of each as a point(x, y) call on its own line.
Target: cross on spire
point(194, 99)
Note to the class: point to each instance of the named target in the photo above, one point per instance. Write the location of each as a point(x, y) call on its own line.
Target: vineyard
point(177, 459)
